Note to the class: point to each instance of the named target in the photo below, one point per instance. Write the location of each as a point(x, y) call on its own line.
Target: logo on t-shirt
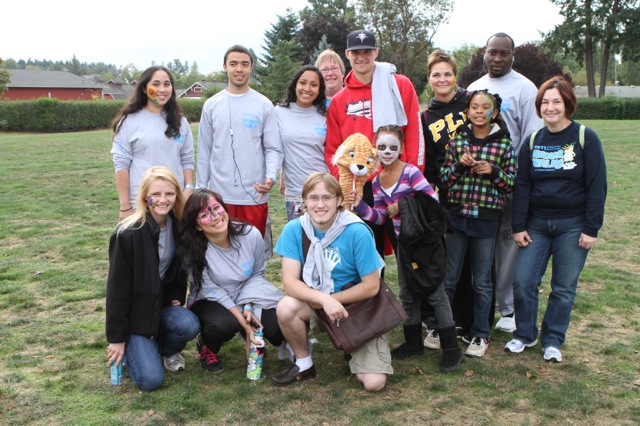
point(361, 108)
point(551, 158)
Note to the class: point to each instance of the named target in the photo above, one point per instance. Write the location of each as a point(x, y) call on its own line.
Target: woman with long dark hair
point(302, 123)
point(151, 130)
point(226, 261)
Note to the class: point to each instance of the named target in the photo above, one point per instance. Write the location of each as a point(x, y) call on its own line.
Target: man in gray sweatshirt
point(239, 149)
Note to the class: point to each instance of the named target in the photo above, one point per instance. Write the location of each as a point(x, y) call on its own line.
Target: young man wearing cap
point(373, 96)
point(518, 111)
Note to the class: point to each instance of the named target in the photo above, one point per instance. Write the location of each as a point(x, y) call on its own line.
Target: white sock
point(304, 363)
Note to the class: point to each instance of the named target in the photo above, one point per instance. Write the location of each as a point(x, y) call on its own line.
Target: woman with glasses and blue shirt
point(332, 68)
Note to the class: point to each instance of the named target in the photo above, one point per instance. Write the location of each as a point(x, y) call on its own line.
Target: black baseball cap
point(361, 40)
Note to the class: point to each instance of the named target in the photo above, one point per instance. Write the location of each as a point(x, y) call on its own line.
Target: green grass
point(59, 206)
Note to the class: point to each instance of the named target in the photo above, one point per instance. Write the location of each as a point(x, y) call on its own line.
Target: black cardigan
point(135, 293)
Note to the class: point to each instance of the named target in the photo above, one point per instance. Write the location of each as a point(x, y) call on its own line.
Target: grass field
point(59, 206)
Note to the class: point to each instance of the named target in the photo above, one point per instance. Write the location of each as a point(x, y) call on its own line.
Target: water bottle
point(256, 356)
point(116, 374)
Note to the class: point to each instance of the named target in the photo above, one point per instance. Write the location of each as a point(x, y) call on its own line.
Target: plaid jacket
point(473, 195)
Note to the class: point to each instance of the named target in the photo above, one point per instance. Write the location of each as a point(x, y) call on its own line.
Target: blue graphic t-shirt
point(349, 257)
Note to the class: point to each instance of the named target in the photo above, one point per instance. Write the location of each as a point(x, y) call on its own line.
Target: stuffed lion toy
point(356, 160)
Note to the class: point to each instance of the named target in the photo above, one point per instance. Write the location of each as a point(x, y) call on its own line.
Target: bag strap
point(581, 137)
point(306, 244)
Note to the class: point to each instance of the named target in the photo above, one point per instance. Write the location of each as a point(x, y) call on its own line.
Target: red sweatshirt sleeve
point(413, 138)
point(334, 136)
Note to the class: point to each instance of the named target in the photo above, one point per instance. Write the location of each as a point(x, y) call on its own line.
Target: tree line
point(597, 38)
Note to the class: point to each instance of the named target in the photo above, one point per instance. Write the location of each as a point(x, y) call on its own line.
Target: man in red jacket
point(373, 96)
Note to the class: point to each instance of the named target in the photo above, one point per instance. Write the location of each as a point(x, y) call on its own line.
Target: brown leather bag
point(367, 320)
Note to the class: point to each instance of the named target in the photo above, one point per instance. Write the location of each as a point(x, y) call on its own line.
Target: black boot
point(451, 353)
point(412, 345)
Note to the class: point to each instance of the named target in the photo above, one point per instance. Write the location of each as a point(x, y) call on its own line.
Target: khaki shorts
point(373, 357)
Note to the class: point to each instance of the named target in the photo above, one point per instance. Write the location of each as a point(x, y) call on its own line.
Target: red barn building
point(63, 85)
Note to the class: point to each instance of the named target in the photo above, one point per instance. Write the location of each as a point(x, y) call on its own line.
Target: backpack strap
point(531, 139)
point(581, 137)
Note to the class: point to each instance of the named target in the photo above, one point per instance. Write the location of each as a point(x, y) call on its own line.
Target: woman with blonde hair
point(146, 285)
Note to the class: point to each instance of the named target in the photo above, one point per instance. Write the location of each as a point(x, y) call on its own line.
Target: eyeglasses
point(328, 70)
point(315, 199)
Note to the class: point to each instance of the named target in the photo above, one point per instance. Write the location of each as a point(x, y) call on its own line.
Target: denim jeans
point(292, 210)
point(143, 355)
point(482, 250)
point(557, 238)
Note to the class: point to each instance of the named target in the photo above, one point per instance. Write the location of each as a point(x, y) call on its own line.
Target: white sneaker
point(432, 341)
point(477, 347)
point(552, 354)
point(516, 346)
point(174, 362)
point(507, 324)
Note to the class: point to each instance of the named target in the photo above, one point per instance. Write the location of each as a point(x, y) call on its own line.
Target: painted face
point(238, 68)
point(212, 211)
point(389, 148)
point(443, 81)
point(498, 57)
point(159, 88)
point(307, 89)
point(481, 110)
point(161, 197)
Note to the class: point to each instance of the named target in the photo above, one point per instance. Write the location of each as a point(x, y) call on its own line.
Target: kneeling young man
point(342, 251)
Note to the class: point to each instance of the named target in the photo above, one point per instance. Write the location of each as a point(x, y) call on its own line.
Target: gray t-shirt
point(166, 247)
point(141, 143)
point(303, 132)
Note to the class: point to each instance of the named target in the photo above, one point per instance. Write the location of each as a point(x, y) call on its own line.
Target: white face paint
point(389, 148)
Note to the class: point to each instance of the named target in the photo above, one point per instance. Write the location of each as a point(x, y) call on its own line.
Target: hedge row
point(46, 115)
point(54, 116)
point(608, 108)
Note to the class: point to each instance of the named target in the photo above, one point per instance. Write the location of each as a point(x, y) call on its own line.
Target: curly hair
point(495, 99)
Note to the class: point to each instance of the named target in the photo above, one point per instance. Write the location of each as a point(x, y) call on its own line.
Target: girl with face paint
point(399, 179)
point(146, 326)
point(226, 261)
point(479, 169)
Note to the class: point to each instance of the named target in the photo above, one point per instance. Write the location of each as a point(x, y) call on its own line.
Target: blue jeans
point(292, 210)
point(481, 262)
point(143, 355)
point(558, 238)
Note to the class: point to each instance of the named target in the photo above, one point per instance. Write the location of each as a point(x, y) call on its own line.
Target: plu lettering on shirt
point(247, 268)
point(179, 139)
point(250, 121)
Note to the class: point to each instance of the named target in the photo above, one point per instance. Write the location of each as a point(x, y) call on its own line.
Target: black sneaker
point(208, 360)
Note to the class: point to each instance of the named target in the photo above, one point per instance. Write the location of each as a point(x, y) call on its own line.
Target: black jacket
point(421, 248)
point(135, 294)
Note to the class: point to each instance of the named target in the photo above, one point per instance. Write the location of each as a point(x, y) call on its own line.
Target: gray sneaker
point(174, 362)
point(432, 341)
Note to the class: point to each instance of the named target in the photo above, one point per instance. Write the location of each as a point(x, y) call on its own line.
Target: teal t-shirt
point(349, 257)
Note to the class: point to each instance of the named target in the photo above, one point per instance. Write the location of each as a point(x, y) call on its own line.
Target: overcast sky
point(120, 32)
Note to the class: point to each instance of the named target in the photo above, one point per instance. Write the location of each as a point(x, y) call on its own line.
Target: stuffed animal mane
point(356, 159)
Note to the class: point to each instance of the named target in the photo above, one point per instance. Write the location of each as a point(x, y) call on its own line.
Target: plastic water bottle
point(256, 356)
point(116, 374)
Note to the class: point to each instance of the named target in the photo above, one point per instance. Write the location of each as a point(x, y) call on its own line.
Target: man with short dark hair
point(239, 148)
point(518, 111)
